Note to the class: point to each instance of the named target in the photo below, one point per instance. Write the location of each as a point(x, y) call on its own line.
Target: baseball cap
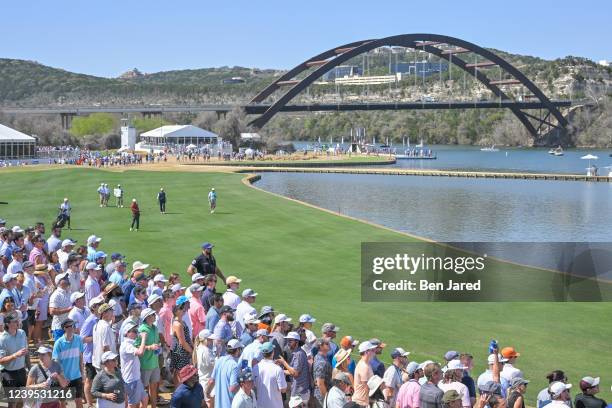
point(491, 387)
point(204, 334)
point(251, 319)
point(225, 309)
point(516, 381)
point(104, 308)
point(139, 265)
point(365, 346)
point(589, 382)
point(455, 365)
point(146, 313)
point(107, 356)
point(491, 359)
point(509, 352)
point(343, 377)
point(76, 296)
point(176, 287)
point(248, 293)
point(232, 279)
point(378, 343)
point(246, 375)
point(234, 344)
point(27, 264)
point(7, 278)
point(160, 278)
point(92, 238)
point(329, 327)
point(267, 347)
point(262, 332)
point(207, 245)
point(96, 301)
point(67, 323)
point(59, 277)
point(153, 297)
point(100, 254)
point(116, 255)
point(17, 228)
point(130, 325)
point(67, 242)
point(399, 352)
point(412, 367)
point(424, 363)
point(306, 318)
point(181, 299)
point(2, 221)
point(348, 342)
point(293, 336)
point(196, 276)
point(558, 387)
point(451, 355)
point(265, 310)
point(196, 287)
point(451, 395)
point(92, 265)
point(281, 318)
point(44, 350)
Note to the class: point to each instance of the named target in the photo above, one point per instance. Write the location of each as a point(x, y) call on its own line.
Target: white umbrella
point(191, 146)
point(589, 157)
point(124, 149)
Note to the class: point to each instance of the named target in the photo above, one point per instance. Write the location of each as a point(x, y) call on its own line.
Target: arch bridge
point(456, 52)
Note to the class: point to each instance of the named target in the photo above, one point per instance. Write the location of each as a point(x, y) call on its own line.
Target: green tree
point(95, 124)
point(146, 124)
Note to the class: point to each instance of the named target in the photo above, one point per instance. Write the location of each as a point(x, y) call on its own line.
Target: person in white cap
point(130, 366)
point(306, 322)
point(60, 304)
point(92, 247)
point(161, 199)
point(452, 381)
point(108, 386)
point(212, 200)
point(118, 193)
point(393, 374)
point(106, 194)
point(103, 335)
point(224, 378)
point(149, 361)
point(245, 307)
point(245, 397)
point(336, 397)
point(589, 387)
point(196, 312)
point(204, 357)
point(65, 209)
point(230, 298)
point(487, 376)
point(46, 373)
point(251, 354)
point(78, 313)
point(559, 392)
point(100, 191)
point(159, 284)
point(408, 394)
point(363, 373)
point(296, 402)
point(279, 331)
point(92, 285)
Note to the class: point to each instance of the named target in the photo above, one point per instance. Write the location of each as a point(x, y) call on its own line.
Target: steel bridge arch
point(423, 42)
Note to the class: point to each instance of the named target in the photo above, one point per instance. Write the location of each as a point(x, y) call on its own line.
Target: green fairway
point(303, 260)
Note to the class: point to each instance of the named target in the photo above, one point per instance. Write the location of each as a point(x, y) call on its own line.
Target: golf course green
point(304, 260)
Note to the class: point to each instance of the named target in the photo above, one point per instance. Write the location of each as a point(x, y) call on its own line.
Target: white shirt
point(66, 208)
point(31, 284)
point(269, 380)
point(92, 289)
point(242, 400)
point(393, 379)
point(62, 257)
point(251, 352)
point(310, 339)
point(509, 372)
point(60, 299)
point(461, 388)
point(102, 336)
point(206, 363)
point(130, 363)
point(243, 309)
point(231, 299)
point(78, 316)
point(14, 267)
point(75, 280)
point(54, 243)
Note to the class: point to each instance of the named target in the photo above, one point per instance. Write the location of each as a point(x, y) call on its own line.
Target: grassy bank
point(303, 260)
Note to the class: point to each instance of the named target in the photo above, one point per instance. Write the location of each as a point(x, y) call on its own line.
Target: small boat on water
point(558, 151)
point(417, 154)
point(489, 149)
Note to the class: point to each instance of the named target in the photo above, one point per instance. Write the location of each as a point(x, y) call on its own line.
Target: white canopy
point(179, 131)
point(250, 136)
point(8, 134)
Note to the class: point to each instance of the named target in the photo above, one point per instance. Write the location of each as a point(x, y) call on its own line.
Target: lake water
point(464, 209)
point(533, 160)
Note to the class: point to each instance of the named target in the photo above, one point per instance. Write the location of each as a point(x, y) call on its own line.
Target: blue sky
point(109, 37)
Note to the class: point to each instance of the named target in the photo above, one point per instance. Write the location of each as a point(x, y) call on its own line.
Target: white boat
point(419, 146)
point(557, 151)
point(489, 149)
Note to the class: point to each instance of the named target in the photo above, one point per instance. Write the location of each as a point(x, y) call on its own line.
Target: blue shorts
point(135, 392)
point(57, 333)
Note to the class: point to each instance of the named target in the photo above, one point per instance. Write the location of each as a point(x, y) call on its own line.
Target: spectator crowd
point(120, 335)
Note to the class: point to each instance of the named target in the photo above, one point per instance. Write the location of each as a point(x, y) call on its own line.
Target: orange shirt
point(363, 372)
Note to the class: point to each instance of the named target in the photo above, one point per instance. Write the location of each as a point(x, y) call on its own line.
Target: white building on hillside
point(179, 135)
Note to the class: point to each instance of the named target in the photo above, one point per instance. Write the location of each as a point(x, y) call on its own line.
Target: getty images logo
point(412, 264)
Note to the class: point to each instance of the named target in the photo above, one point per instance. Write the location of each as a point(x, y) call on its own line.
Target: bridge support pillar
point(221, 113)
point(67, 120)
point(149, 115)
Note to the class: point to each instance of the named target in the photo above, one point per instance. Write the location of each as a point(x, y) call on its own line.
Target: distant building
point(605, 63)
point(179, 135)
point(423, 68)
point(368, 80)
point(16, 145)
point(234, 80)
point(134, 73)
point(250, 136)
point(342, 71)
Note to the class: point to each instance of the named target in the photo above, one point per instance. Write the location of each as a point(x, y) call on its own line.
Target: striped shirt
point(68, 354)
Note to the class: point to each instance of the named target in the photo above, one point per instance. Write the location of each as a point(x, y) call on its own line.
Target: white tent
point(15, 144)
point(179, 134)
point(250, 136)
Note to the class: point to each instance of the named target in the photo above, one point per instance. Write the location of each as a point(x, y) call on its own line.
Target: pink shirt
point(408, 395)
point(37, 253)
point(165, 317)
point(197, 314)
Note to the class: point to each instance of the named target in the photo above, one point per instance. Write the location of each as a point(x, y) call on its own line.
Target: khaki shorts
point(149, 376)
